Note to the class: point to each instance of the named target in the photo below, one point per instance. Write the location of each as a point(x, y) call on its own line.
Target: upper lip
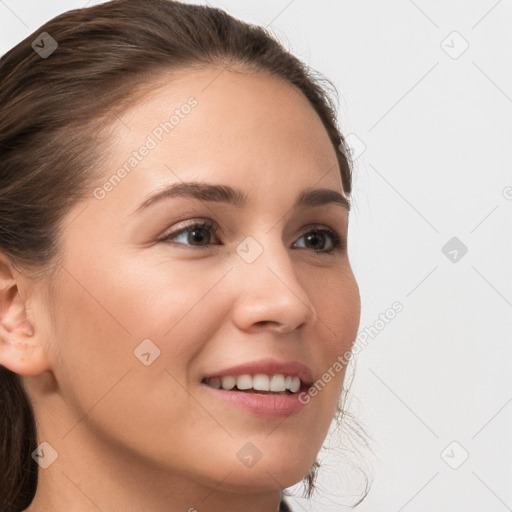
point(268, 367)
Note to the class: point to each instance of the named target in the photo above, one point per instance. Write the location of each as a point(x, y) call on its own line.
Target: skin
point(132, 437)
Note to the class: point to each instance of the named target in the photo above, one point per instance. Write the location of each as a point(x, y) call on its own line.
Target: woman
point(176, 289)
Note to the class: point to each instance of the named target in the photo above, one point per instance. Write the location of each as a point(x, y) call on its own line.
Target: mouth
point(265, 388)
point(259, 384)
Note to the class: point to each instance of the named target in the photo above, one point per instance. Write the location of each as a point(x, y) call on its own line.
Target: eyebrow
point(233, 196)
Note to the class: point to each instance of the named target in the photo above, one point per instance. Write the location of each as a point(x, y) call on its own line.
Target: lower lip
point(267, 406)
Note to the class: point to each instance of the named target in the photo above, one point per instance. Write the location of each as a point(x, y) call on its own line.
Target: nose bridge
point(263, 251)
point(273, 291)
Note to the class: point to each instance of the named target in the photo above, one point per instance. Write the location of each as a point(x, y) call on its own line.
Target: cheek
point(162, 299)
point(106, 311)
point(93, 346)
point(102, 317)
point(338, 306)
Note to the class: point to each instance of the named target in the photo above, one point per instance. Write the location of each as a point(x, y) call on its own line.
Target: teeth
point(244, 382)
point(215, 382)
point(228, 382)
point(277, 383)
point(259, 382)
point(295, 386)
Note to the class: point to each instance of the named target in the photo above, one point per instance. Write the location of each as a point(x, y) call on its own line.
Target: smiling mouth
point(258, 384)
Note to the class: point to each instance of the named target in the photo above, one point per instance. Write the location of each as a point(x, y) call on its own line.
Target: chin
point(263, 477)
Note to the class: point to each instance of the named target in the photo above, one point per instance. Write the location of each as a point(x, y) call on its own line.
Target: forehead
point(245, 128)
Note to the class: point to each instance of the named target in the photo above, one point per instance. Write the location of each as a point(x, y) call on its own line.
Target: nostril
point(263, 322)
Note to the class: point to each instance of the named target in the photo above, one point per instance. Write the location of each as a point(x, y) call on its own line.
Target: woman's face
point(144, 312)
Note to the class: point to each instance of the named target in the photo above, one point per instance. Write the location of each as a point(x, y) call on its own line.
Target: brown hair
point(52, 109)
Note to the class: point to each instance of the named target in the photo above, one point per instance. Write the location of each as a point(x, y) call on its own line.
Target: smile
point(266, 388)
point(269, 384)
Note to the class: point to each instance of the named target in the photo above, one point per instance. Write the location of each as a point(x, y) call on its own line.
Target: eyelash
point(338, 242)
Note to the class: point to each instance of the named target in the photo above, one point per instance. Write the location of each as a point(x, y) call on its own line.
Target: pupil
point(315, 237)
point(197, 232)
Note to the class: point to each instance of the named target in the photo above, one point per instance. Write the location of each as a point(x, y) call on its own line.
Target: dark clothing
point(284, 507)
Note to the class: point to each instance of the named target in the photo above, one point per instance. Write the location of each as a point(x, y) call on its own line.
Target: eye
point(317, 238)
point(199, 235)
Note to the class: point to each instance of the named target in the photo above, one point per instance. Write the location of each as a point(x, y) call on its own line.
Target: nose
point(270, 293)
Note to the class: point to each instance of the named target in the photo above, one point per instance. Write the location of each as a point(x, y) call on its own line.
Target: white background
point(437, 132)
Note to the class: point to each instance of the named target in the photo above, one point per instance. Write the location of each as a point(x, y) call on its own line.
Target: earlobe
point(21, 350)
point(19, 357)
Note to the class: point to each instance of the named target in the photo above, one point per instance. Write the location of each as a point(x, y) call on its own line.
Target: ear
point(21, 350)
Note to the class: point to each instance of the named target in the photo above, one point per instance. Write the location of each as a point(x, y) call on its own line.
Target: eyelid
point(204, 223)
point(338, 239)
